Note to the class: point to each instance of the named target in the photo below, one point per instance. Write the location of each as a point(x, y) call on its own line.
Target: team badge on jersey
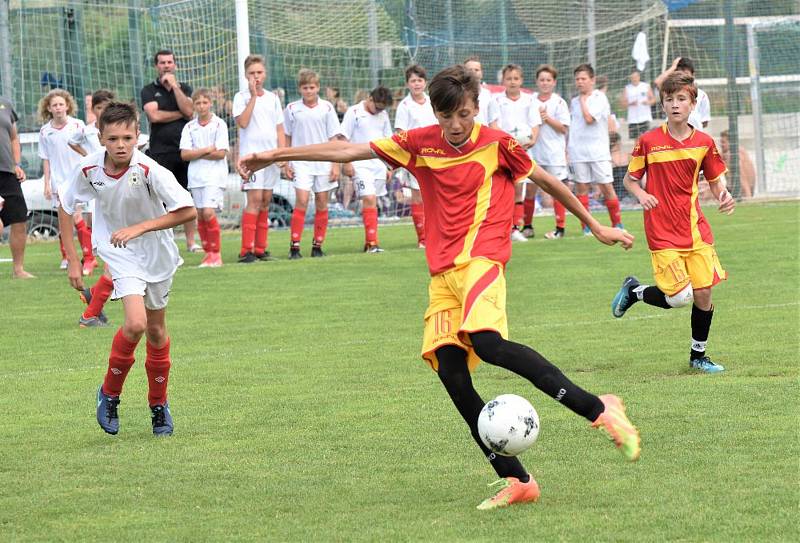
point(134, 179)
point(512, 145)
point(402, 135)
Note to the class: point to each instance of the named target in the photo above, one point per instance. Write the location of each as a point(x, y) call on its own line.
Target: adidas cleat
point(705, 365)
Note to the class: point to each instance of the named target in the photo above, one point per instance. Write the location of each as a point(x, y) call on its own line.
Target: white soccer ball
point(508, 425)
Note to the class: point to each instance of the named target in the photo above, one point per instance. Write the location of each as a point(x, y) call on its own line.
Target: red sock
point(85, 239)
point(262, 232)
point(519, 212)
point(119, 364)
point(418, 216)
point(370, 217)
point(202, 230)
point(530, 207)
point(584, 200)
point(296, 226)
point(613, 211)
point(213, 233)
point(100, 293)
point(560, 213)
point(248, 232)
point(320, 226)
point(157, 368)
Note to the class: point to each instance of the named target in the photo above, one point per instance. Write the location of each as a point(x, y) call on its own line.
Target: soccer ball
point(508, 425)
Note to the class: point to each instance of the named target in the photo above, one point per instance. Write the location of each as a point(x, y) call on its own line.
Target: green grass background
point(303, 411)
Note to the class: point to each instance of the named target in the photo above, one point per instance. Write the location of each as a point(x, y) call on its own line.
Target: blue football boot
point(623, 299)
point(107, 416)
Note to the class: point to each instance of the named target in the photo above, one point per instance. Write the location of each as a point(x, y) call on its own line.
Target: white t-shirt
point(307, 126)
point(701, 112)
point(261, 133)
point(517, 117)
point(589, 142)
point(411, 114)
point(140, 193)
point(636, 98)
point(204, 172)
point(54, 146)
point(551, 146)
point(88, 138)
point(487, 107)
point(361, 126)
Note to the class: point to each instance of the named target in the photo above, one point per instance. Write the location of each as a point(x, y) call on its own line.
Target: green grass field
point(303, 411)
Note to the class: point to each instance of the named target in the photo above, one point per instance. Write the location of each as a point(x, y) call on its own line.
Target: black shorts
point(14, 208)
point(174, 163)
point(637, 129)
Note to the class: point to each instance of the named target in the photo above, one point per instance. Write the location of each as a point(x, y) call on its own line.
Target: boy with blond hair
point(307, 121)
point(204, 145)
point(685, 263)
point(259, 116)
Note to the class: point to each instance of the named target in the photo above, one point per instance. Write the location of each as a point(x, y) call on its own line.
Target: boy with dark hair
point(138, 203)
point(685, 263)
point(364, 122)
point(467, 174)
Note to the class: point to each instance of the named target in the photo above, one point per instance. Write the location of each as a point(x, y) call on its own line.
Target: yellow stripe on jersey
point(694, 153)
point(391, 148)
point(527, 175)
point(476, 128)
point(636, 164)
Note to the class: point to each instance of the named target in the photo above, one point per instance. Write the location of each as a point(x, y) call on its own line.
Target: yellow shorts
point(674, 269)
point(470, 298)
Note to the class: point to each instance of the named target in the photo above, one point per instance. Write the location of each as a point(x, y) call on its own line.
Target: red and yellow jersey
point(468, 191)
point(673, 168)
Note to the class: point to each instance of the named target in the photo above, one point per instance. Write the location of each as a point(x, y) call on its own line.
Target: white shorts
point(407, 180)
point(559, 172)
point(315, 183)
point(155, 294)
point(368, 186)
point(592, 172)
point(208, 196)
point(264, 179)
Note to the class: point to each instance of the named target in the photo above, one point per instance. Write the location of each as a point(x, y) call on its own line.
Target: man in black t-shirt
point(168, 106)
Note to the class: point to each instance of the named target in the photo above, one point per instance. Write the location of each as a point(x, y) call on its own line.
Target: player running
point(685, 263)
point(137, 204)
point(204, 145)
point(58, 161)
point(415, 111)
point(467, 173)
point(307, 121)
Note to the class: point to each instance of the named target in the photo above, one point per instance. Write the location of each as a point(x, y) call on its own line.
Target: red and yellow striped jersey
point(467, 191)
point(673, 168)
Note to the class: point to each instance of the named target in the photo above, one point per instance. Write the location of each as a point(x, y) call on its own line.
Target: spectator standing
point(637, 97)
point(13, 211)
point(168, 106)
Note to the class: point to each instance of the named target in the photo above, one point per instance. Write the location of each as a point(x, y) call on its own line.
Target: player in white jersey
point(362, 123)
point(518, 117)
point(137, 204)
point(259, 116)
point(701, 114)
point(415, 111)
point(87, 142)
point(637, 97)
point(550, 150)
point(487, 107)
point(204, 145)
point(307, 121)
point(58, 160)
point(588, 147)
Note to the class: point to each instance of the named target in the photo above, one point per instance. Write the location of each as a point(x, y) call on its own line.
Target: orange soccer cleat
point(620, 430)
point(513, 491)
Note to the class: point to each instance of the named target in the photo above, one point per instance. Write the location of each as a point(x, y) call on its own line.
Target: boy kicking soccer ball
point(685, 263)
point(467, 172)
point(137, 204)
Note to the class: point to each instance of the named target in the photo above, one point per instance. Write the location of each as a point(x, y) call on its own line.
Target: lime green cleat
point(513, 491)
point(615, 423)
